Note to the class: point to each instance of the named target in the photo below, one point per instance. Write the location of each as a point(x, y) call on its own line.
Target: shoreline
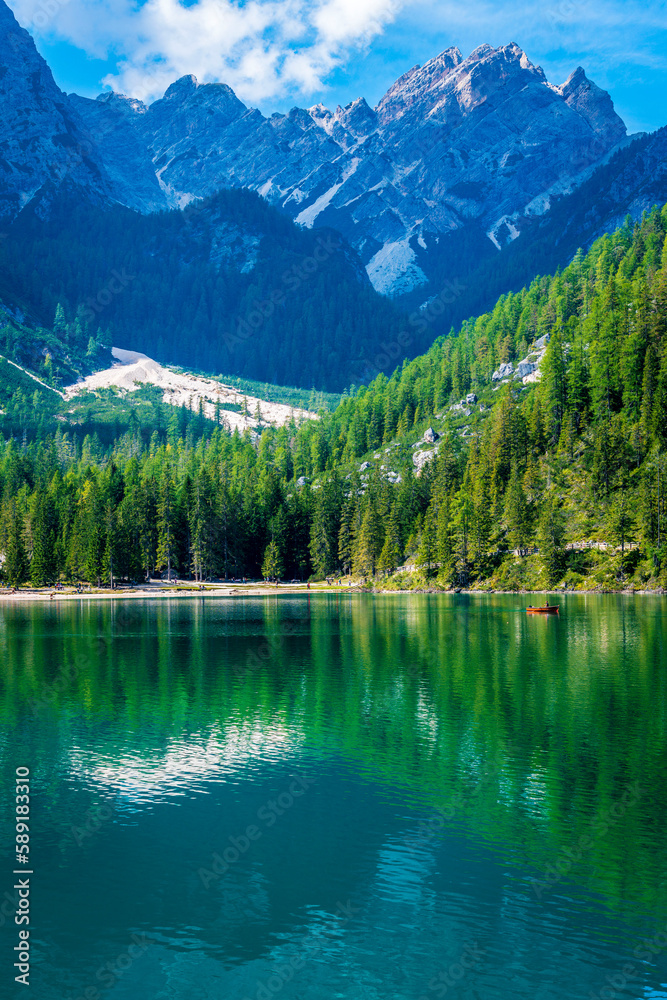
point(226, 590)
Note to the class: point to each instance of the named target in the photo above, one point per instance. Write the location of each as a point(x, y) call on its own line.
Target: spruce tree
point(551, 540)
point(15, 567)
point(368, 541)
point(272, 565)
point(445, 537)
point(390, 556)
point(621, 519)
point(166, 523)
point(516, 515)
point(426, 554)
point(42, 531)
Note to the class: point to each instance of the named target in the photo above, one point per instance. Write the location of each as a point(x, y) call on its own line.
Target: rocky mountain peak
point(477, 144)
point(181, 89)
point(189, 108)
point(487, 71)
point(594, 105)
point(357, 118)
point(127, 106)
point(417, 85)
point(43, 140)
point(321, 116)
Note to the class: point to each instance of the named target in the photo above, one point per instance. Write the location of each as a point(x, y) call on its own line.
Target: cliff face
point(43, 141)
point(479, 144)
point(452, 142)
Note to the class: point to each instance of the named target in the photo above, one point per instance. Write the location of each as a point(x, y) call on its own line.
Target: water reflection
point(458, 749)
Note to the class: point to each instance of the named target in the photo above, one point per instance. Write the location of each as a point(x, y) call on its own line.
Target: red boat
point(545, 609)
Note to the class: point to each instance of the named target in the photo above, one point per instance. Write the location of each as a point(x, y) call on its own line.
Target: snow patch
point(393, 270)
point(297, 196)
point(505, 221)
point(308, 215)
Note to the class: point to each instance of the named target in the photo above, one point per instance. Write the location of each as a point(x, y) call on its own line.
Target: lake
point(392, 797)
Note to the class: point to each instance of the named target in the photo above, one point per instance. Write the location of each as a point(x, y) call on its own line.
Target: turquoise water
point(396, 797)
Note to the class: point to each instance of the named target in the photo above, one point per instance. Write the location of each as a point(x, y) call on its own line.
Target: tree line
point(579, 454)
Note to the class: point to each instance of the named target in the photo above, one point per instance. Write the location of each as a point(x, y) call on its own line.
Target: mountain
point(455, 142)
point(43, 142)
point(468, 274)
point(468, 178)
point(229, 285)
point(47, 147)
point(559, 445)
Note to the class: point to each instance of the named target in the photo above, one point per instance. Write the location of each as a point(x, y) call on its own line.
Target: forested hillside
point(229, 285)
point(578, 456)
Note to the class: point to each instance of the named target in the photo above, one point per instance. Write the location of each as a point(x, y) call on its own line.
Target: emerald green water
point(391, 797)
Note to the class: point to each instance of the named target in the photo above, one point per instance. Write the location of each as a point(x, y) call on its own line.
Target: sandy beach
point(256, 589)
point(185, 590)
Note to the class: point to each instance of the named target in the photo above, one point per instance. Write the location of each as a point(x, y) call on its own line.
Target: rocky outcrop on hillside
point(127, 161)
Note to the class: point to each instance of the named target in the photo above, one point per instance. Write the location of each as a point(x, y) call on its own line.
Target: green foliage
point(551, 540)
point(272, 566)
point(174, 285)
point(390, 556)
point(120, 487)
point(15, 569)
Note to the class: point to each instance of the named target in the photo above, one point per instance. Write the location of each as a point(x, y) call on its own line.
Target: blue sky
point(278, 53)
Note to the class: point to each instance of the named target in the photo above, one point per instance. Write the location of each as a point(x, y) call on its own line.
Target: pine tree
point(463, 520)
point(445, 537)
point(577, 384)
point(554, 381)
point(426, 554)
point(43, 537)
point(649, 384)
point(201, 524)
point(15, 567)
point(660, 402)
point(166, 523)
point(620, 518)
point(551, 540)
point(516, 514)
point(481, 519)
point(390, 556)
point(325, 529)
point(109, 561)
point(272, 565)
point(368, 541)
point(89, 536)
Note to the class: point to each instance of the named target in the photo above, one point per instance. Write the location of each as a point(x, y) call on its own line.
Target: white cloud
point(261, 48)
point(601, 34)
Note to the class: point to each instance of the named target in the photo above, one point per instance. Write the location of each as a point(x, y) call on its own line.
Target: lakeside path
point(186, 590)
point(255, 589)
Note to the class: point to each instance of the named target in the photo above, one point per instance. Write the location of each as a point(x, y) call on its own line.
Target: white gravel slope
point(133, 369)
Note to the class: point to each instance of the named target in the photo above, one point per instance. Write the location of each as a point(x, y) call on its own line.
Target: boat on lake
point(545, 609)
